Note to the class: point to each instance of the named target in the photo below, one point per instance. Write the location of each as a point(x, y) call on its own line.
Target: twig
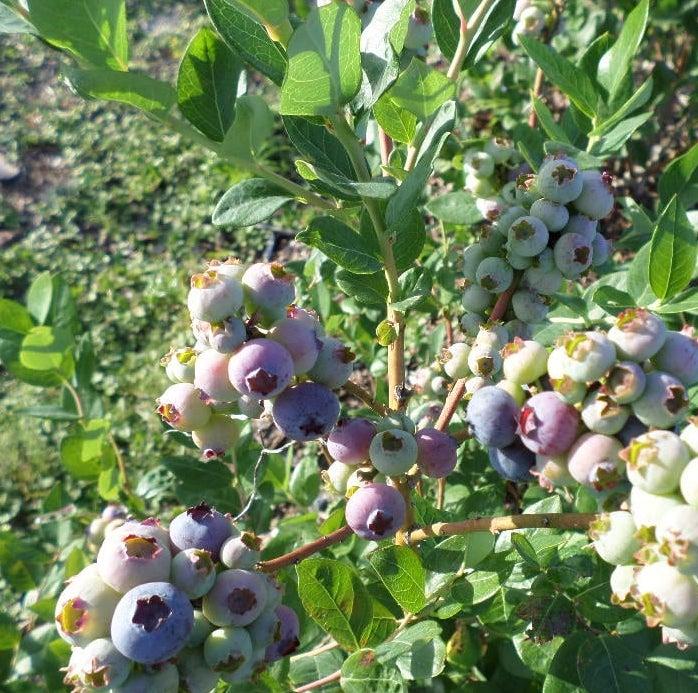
point(320, 682)
point(120, 464)
point(297, 555)
point(535, 93)
point(366, 397)
point(316, 651)
point(450, 405)
point(386, 147)
point(440, 493)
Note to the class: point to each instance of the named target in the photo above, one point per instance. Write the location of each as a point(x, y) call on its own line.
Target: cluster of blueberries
point(255, 351)
point(605, 410)
point(543, 229)
point(368, 457)
point(163, 611)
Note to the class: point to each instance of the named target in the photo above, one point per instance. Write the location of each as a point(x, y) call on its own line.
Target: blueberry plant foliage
point(400, 466)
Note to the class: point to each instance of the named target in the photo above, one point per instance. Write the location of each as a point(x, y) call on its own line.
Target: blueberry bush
point(444, 439)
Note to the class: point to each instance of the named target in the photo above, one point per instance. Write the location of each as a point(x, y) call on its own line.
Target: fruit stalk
point(366, 397)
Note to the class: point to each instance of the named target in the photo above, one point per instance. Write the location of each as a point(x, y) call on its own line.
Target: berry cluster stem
point(366, 397)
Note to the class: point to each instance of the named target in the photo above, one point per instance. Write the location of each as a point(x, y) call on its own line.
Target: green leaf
point(132, 88)
point(92, 30)
point(638, 278)
point(418, 651)
point(569, 78)
point(455, 208)
point(420, 89)
point(679, 174)
point(39, 297)
point(369, 289)
point(49, 411)
point(44, 349)
point(362, 672)
point(248, 39)
point(672, 252)
point(547, 122)
point(9, 633)
point(529, 142)
point(686, 302)
point(401, 571)
point(83, 453)
point(409, 234)
point(14, 318)
point(207, 84)
point(606, 665)
point(637, 100)
point(524, 549)
point(612, 300)
point(589, 62)
point(12, 23)
point(615, 138)
point(213, 481)
point(446, 26)
point(249, 202)
point(562, 676)
point(324, 68)
point(305, 670)
point(272, 13)
point(333, 595)
point(340, 243)
point(619, 58)
point(397, 122)
point(251, 129)
point(495, 23)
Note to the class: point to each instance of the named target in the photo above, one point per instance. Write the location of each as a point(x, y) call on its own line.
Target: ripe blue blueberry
point(289, 632)
point(375, 511)
point(350, 440)
point(492, 415)
point(262, 368)
point(201, 527)
point(513, 462)
point(547, 424)
point(306, 411)
point(436, 454)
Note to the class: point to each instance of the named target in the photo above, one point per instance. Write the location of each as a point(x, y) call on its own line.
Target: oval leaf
point(248, 203)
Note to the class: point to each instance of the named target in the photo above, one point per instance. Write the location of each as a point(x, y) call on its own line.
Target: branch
point(320, 682)
point(366, 397)
point(451, 404)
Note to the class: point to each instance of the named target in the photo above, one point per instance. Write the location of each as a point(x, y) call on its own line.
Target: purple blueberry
point(492, 414)
point(237, 598)
point(213, 297)
point(637, 334)
point(334, 364)
point(663, 402)
point(601, 250)
point(211, 376)
point(679, 356)
point(289, 631)
point(300, 339)
point(375, 511)
point(265, 629)
point(632, 429)
point(594, 461)
point(560, 180)
point(573, 254)
point(201, 527)
point(547, 424)
point(513, 462)
point(184, 407)
point(194, 572)
point(127, 559)
point(261, 369)
point(85, 607)
point(228, 649)
point(152, 622)
point(437, 453)
point(306, 412)
point(269, 290)
point(596, 196)
point(350, 440)
point(528, 236)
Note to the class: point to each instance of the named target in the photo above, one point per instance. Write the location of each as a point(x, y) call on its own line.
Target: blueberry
point(601, 250)
point(334, 364)
point(393, 452)
point(479, 164)
point(527, 236)
point(554, 215)
point(544, 281)
point(655, 461)
point(594, 461)
point(301, 340)
point(265, 629)
point(513, 462)
point(473, 255)
point(663, 402)
point(101, 666)
point(552, 472)
point(179, 365)
point(632, 429)
point(518, 262)
point(637, 334)
point(396, 419)
point(490, 241)
point(689, 483)
point(560, 180)
point(306, 412)
point(689, 435)
point(350, 440)
point(337, 475)
point(647, 509)
point(375, 511)
point(524, 361)
point(218, 436)
point(625, 382)
point(237, 598)
point(507, 218)
point(665, 595)
point(601, 414)
point(184, 407)
point(492, 415)
point(515, 390)
point(193, 571)
point(677, 534)
point(128, 559)
point(85, 607)
point(500, 149)
point(596, 196)
point(200, 630)
point(586, 356)
point(583, 226)
point(152, 622)
point(201, 527)
point(478, 186)
point(241, 551)
point(622, 580)
point(224, 337)
point(213, 297)
point(211, 376)
point(490, 208)
point(454, 360)
point(150, 527)
point(527, 190)
point(228, 649)
point(269, 290)
point(195, 674)
point(494, 275)
point(112, 511)
point(573, 254)
point(475, 298)
point(163, 678)
point(436, 453)
point(529, 307)
point(230, 267)
point(547, 424)
point(679, 356)
point(289, 632)
point(262, 369)
point(614, 538)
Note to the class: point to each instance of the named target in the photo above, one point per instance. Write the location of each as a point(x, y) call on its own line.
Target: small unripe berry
point(524, 361)
point(677, 534)
point(494, 275)
point(479, 187)
point(227, 650)
point(213, 297)
point(218, 436)
point(622, 580)
point(184, 407)
point(648, 509)
point(238, 597)
point(529, 307)
point(334, 364)
point(470, 323)
point(300, 339)
point(211, 376)
point(637, 334)
point(543, 280)
point(454, 360)
point(601, 414)
point(479, 164)
point(375, 511)
point(396, 419)
point(586, 356)
point(101, 666)
point(601, 250)
point(241, 551)
point(518, 262)
point(475, 299)
point(500, 149)
point(655, 461)
point(663, 403)
point(473, 255)
point(554, 215)
point(194, 572)
point(594, 461)
point(552, 472)
point(560, 180)
point(507, 218)
point(484, 360)
point(393, 452)
point(665, 595)
point(614, 537)
point(679, 356)
point(573, 254)
point(596, 196)
point(337, 475)
point(583, 226)
point(179, 365)
point(527, 236)
point(625, 382)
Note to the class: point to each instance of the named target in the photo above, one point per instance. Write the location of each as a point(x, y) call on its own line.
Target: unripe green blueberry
point(500, 149)
point(230, 267)
point(393, 452)
point(637, 334)
point(596, 196)
point(665, 595)
point(363, 476)
point(101, 666)
point(648, 509)
point(594, 461)
point(479, 187)
point(542, 280)
point(554, 215)
point(337, 475)
point(473, 255)
point(484, 360)
point(475, 299)
point(265, 629)
point(677, 534)
point(517, 393)
point(224, 336)
point(601, 250)
point(395, 419)
point(479, 164)
point(490, 208)
point(569, 390)
point(194, 572)
point(195, 674)
point(470, 323)
point(454, 360)
point(689, 483)
point(527, 190)
point(228, 649)
point(507, 218)
point(679, 356)
point(179, 365)
point(477, 382)
point(95, 530)
point(655, 461)
point(492, 334)
point(184, 407)
point(552, 472)
point(213, 297)
point(241, 551)
point(614, 537)
point(508, 194)
point(625, 382)
point(250, 407)
point(495, 275)
point(218, 436)
point(622, 580)
point(238, 597)
point(527, 236)
point(490, 241)
point(560, 180)
point(689, 435)
point(524, 361)
point(518, 262)
point(586, 356)
point(601, 414)
point(573, 254)
point(664, 401)
point(583, 226)
point(201, 629)
point(529, 307)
